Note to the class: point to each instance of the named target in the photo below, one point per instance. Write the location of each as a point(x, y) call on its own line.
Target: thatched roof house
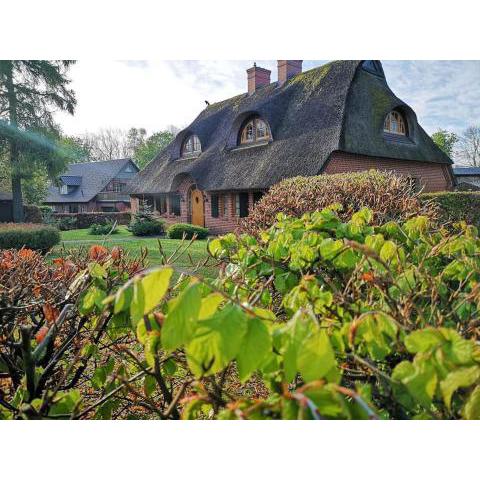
point(339, 117)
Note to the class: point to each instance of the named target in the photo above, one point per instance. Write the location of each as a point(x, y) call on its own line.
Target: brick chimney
point(258, 77)
point(287, 69)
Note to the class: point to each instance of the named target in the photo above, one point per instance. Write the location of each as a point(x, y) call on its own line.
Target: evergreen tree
point(30, 91)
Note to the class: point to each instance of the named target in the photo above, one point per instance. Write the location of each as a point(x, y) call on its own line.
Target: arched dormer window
point(191, 147)
point(254, 130)
point(395, 123)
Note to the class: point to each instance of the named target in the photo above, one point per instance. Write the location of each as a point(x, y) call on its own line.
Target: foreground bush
point(105, 229)
point(33, 236)
point(456, 206)
point(315, 318)
point(181, 230)
point(390, 197)
point(49, 348)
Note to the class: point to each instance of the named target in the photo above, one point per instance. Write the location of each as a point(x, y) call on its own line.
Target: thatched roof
point(87, 180)
point(338, 106)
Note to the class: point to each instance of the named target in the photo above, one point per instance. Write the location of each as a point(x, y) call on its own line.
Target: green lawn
point(197, 252)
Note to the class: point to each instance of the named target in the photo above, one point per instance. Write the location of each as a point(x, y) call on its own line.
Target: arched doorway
point(197, 208)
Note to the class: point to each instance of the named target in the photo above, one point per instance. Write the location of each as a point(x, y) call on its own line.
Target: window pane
point(243, 204)
point(261, 129)
point(214, 200)
point(175, 205)
point(196, 144)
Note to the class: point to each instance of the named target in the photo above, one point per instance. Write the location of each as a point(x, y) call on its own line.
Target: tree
point(446, 141)
point(107, 144)
point(30, 91)
point(470, 146)
point(155, 143)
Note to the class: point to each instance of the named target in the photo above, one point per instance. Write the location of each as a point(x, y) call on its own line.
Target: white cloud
point(154, 94)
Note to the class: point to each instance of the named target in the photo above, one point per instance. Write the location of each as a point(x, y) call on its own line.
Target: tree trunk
point(16, 180)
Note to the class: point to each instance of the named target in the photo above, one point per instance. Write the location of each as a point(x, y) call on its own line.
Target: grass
point(196, 253)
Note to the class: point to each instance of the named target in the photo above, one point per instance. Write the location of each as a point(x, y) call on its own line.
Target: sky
point(157, 94)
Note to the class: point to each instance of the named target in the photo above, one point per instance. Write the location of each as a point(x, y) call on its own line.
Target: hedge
point(87, 219)
point(390, 197)
point(28, 235)
point(178, 230)
point(147, 227)
point(32, 214)
point(456, 206)
point(103, 229)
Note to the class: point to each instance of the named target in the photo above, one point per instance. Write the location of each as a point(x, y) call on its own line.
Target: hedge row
point(28, 235)
point(390, 197)
point(87, 219)
point(178, 230)
point(32, 214)
point(456, 206)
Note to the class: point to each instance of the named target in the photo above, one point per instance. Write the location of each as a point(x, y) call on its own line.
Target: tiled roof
point(93, 176)
point(466, 170)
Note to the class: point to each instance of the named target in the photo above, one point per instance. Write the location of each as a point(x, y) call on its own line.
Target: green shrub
point(87, 219)
point(178, 230)
point(145, 228)
point(390, 197)
point(32, 214)
point(33, 236)
point(318, 317)
point(103, 229)
point(456, 206)
point(65, 223)
point(145, 224)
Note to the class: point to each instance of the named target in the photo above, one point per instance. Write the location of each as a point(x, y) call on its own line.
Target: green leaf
point(210, 305)
point(330, 248)
point(99, 377)
point(362, 217)
point(96, 270)
point(294, 333)
point(256, 345)
point(422, 383)
point(217, 341)
point(461, 378)
point(123, 298)
point(149, 385)
point(316, 358)
point(388, 251)
point(93, 297)
point(423, 340)
point(471, 410)
point(148, 292)
point(181, 320)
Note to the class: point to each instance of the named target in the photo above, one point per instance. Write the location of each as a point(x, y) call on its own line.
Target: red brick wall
point(432, 176)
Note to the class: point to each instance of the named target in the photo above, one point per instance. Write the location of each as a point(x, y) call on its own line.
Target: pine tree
point(30, 92)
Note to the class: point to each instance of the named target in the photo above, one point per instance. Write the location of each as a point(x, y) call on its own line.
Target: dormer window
point(191, 147)
point(63, 189)
point(395, 123)
point(254, 130)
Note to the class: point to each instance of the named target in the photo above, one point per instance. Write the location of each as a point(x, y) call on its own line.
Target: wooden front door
point(196, 201)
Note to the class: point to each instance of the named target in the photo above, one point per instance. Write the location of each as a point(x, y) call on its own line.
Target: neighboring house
point(93, 187)
point(6, 207)
point(468, 178)
point(340, 117)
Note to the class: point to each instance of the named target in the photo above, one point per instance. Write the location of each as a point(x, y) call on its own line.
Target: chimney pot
point(287, 69)
point(258, 77)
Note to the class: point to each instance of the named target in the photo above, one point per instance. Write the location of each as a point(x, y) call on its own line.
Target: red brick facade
point(432, 177)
